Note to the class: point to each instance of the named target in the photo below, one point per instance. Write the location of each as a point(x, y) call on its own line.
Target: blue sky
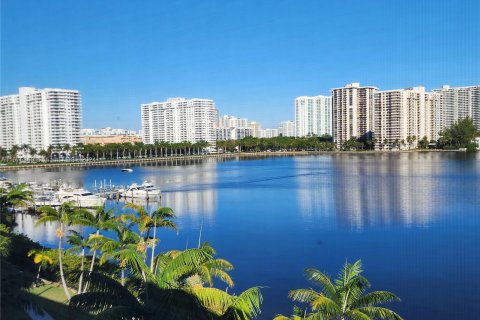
point(252, 57)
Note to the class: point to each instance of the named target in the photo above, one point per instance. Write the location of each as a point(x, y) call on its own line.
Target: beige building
point(101, 139)
point(403, 113)
point(352, 112)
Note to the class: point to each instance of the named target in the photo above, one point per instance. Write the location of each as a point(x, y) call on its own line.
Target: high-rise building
point(256, 128)
point(353, 112)
point(233, 128)
point(457, 103)
point(287, 129)
point(40, 117)
point(404, 113)
point(178, 119)
point(313, 116)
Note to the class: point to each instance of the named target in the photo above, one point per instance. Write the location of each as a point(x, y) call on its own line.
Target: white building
point(40, 117)
point(457, 103)
point(353, 112)
point(268, 133)
point(287, 129)
point(178, 120)
point(233, 128)
point(313, 116)
point(403, 113)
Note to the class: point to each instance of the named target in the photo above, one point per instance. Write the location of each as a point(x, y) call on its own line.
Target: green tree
point(78, 245)
point(460, 135)
point(344, 298)
point(66, 214)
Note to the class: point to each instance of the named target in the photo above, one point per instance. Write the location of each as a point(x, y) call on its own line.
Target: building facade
point(104, 139)
point(403, 117)
point(313, 116)
point(457, 103)
point(286, 129)
point(233, 128)
point(352, 112)
point(256, 128)
point(178, 119)
point(40, 117)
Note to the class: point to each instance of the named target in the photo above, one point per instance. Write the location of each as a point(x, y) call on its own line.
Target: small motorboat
point(127, 170)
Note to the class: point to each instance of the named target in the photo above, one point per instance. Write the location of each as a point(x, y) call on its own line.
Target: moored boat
point(80, 197)
point(146, 190)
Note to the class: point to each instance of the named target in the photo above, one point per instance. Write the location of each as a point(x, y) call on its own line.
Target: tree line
point(460, 135)
point(124, 277)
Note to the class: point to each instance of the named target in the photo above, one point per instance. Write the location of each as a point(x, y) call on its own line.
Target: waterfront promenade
point(168, 159)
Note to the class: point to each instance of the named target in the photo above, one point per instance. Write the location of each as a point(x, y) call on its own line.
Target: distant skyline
point(251, 57)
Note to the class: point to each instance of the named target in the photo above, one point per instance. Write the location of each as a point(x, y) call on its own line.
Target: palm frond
point(303, 295)
point(246, 306)
point(374, 298)
point(380, 313)
point(322, 280)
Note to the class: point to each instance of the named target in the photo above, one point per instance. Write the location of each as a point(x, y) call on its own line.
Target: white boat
point(46, 200)
point(146, 190)
point(81, 198)
point(127, 170)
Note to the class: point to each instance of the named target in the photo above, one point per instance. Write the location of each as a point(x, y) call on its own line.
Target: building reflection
point(43, 233)
point(370, 190)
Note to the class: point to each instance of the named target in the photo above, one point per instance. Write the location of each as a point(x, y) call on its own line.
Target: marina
point(404, 214)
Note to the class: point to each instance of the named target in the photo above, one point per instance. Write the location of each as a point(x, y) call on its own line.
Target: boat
point(127, 170)
point(46, 200)
point(146, 190)
point(80, 197)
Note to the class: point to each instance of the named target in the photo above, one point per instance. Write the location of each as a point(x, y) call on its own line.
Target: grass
point(51, 298)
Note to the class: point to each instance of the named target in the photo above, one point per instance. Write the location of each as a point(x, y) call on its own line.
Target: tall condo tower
point(313, 115)
point(353, 112)
point(454, 104)
point(40, 117)
point(403, 113)
point(178, 120)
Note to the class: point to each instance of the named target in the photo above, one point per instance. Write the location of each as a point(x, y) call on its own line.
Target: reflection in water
point(314, 188)
point(43, 233)
point(370, 190)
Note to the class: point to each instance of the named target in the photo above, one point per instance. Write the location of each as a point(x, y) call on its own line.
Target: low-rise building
point(104, 139)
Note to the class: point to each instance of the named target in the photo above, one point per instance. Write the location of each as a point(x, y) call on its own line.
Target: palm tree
point(66, 214)
point(128, 249)
point(42, 258)
point(161, 217)
point(102, 220)
point(19, 196)
point(345, 298)
point(78, 244)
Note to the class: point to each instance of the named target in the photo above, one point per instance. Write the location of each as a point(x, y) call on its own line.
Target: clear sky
point(252, 57)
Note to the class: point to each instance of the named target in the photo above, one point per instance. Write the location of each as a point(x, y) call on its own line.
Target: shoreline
point(204, 156)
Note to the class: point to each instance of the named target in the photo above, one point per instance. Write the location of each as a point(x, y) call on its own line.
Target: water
point(413, 219)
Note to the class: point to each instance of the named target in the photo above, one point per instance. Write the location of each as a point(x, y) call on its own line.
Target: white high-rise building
point(403, 113)
point(287, 129)
point(40, 117)
point(233, 128)
point(353, 112)
point(313, 116)
point(457, 103)
point(178, 119)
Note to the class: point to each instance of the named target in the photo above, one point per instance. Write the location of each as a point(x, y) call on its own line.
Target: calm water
point(413, 219)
